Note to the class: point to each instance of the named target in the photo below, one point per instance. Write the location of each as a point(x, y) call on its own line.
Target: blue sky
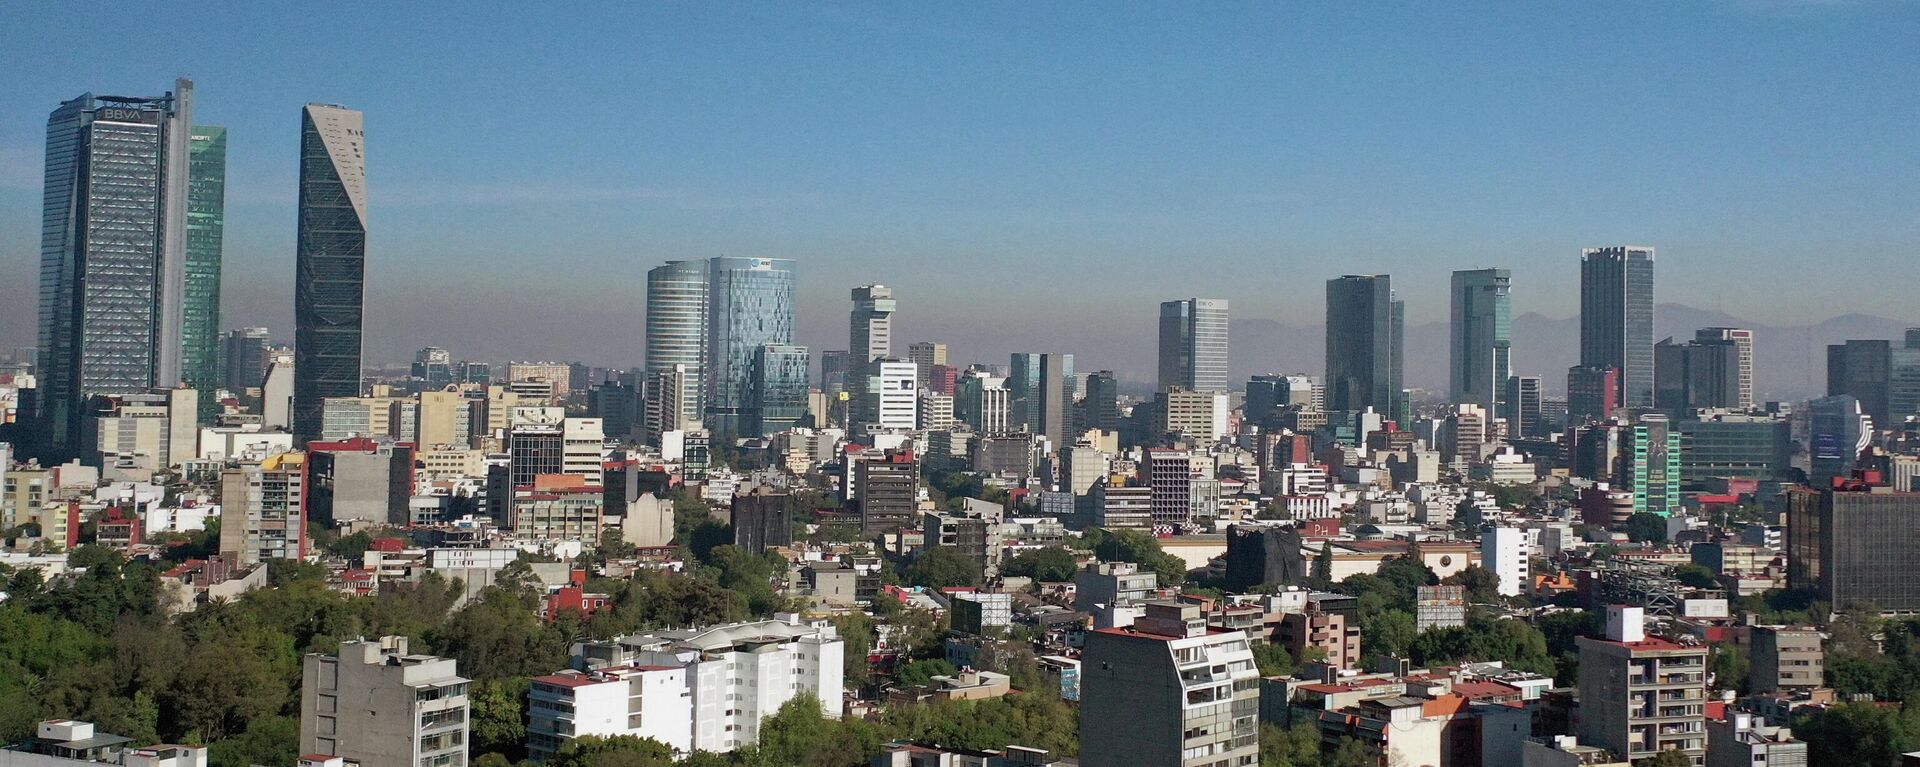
point(1031, 175)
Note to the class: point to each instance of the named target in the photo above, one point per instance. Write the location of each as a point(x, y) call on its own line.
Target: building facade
point(1193, 344)
point(1169, 692)
point(330, 263)
point(749, 305)
point(1480, 353)
point(1365, 344)
point(677, 330)
point(377, 705)
point(1616, 318)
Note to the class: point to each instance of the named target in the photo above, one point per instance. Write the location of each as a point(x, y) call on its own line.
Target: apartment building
point(377, 705)
point(263, 510)
point(705, 689)
point(1169, 692)
point(1642, 694)
point(1786, 658)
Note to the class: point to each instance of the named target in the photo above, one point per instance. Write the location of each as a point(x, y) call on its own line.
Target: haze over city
point(1031, 176)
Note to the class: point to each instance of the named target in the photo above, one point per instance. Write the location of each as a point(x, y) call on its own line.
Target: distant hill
point(1789, 360)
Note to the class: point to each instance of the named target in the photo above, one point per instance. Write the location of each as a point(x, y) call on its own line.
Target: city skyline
point(499, 209)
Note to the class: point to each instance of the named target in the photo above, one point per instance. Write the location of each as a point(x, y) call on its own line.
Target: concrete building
point(888, 490)
point(1169, 692)
point(1852, 545)
point(559, 507)
point(1505, 552)
point(359, 482)
point(377, 705)
point(1193, 344)
point(763, 518)
point(1785, 658)
point(1169, 474)
point(1196, 415)
point(263, 512)
point(1744, 740)
point(706, 689)
point(1641, 694)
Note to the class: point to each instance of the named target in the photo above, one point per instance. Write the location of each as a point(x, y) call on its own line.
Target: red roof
point(570, 680)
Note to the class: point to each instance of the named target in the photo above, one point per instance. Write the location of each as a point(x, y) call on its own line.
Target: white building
point(1169, 691)
point(1504, 551)
point(583, 448)
point(894, 394)
point(1200, 415)
point(936, 411)
point(705, 689)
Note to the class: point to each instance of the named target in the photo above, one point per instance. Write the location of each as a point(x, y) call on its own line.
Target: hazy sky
point(1024, 174)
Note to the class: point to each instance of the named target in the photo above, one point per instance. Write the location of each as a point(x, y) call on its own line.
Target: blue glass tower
point(749, 305)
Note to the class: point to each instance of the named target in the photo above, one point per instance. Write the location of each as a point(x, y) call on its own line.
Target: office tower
point(1520, 405)
point(536, 443)
point(443, 418)
point(1593, 393)
point(1195, 415)
point(263, 513)
point(888, 489)
point(1169, 473)
point(1903, 380)
point(330, 262)
point(1023, 378)
point(891, 392)
point(375, 703)
point(925, 355)
point(583, 449)
point(1640, 694)
point(112, 253)
point(1695, 375)
point(432, 366)
point(243, 363)
point(985, 403)
point(777, 390)
point(869, 340)
point(1742, 339)
point(677, 326)
point(1193, 344)
point(749, 305)
point(1733, 444)
point(705, 689)
point(834, 367)
point(943, 379)
point(1365, 326)
point(665, 394)
point(1863, 370)
point(1838, 430)
point(1102, 403)
point(1652, 465)
point(934, 411)
point(1051, 403)
point(200, 273)
point(466, 371)
point(1481, 349)
point(276, 397)
point(1504, 551)
point(1849, 543)
point(1616, 318)
point(1142, 704)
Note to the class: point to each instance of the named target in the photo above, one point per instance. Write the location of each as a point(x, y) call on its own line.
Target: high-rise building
point(330, 262)
point(432, 366)
point(1023, 379)
point(1504, 551)
point(244, 361)
point(1903, 380)
point(1786, 657)
point(536, 443)
point(377, 704)
point(985, 403)
point(1863, 370)
point(749, 305)
point(1616, 318)
point(677, 326)
point(1696, 375)
point(200, 274)
point(888, 488)
point(1838, 429)
point(1052, 402)
point(263, 510)
point(1742, 339)
point(1482, 337)
point(665, 394)
point(925, 355)
point(1521, 407)
point(891, 392)
point(1640, 694)
point(1365, 344)
point(1101, 406)
point(1652, 465)
point(113, 241)
point(869, 340)
point(1193, 344)
point(777, 394)
point(1169, 473)
point(1142, 703)
point(1593, 393)
point(836, 366)
point(1850, 544)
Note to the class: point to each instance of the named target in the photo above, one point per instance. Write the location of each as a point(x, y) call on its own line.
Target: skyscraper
point(1864, 370)
point(1616, 318)
point(330, 262)
point(1520, 405)
point(1052, 402)
point(1742, 339)
point(869, 339)
point(1023, 378)
point(1365, 347)
point(1482, 337)
point(244, 361)
point(112, 252)
point(677, 328)
point(778, 394)
point(1695, 375)
point(200, 289)
point(1102, 405)
point(1193, 344)
point(749, 305)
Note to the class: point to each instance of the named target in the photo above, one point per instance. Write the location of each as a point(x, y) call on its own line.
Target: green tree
point(270, 740)
point(1481, 585)
point(941, 567)
point(1272, 659)
point(1647, 527)
point(1323, 565)
point(856, 634)
point(921, 672)
point(1048, 563)
point(1859, 734)
point(1671, 757)
point(497, 715)
point(1354, 752)
point(615, 751)
point(1696, 576)
point(1389, 634)
point(1729, 667)
point(1139, 548)
point(1295, 747)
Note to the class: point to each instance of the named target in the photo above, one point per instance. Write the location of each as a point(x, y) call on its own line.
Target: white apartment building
point(894, 395)
point(379, 706)
point(1504, 551)
point(1169, 692)
point(936, 411)
point(705, 689)
point(583, 448)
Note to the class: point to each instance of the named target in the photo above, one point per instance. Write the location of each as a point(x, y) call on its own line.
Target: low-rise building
point(378, 705)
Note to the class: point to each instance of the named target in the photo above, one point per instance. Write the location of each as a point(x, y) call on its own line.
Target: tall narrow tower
point(1480, 353)
point(677, 330)
point(1365, 327)
point(1193, 344)
point(1616, 318)
point(330, 262)
point(869, 339)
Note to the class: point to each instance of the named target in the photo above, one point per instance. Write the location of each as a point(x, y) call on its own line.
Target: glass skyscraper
point(677, 328)
point(1193, 344)
point(330, 261)
point(1366, 325)
point(1616, 318)
point(200, 293)
point(778, 392)
point(749, 305)
point(111, 247)
point(1480, 354)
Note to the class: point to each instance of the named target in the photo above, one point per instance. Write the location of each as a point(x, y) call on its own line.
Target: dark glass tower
point(1193, 344)
point(1616, 318)
point(329, 262)
point(1365, 327)
point(749, 305)
point(200, 294)
point(111, 252)
point(1482, 337)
